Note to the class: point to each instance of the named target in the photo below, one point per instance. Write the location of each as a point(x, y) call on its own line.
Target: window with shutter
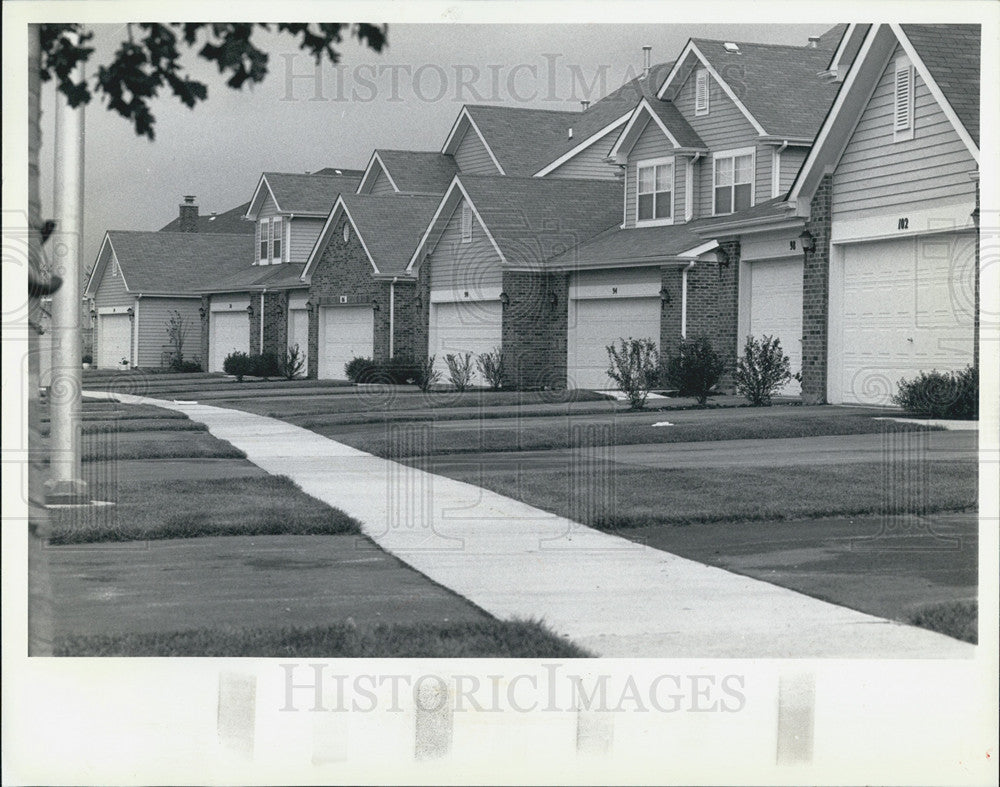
point(262, 241)
point(701, 92)
point(902, 125)
point(466, 223)
point(276, 240)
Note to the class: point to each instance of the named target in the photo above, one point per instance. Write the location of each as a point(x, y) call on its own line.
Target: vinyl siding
point(791, 163)
point(876, 173)
point(268, 209)
point(111, 289)
point(461, 266)
point(304, 232)
point(472, 156)
point(723, 128)
point(764, 165)
point(380, 184)
point(652, 144)
point(590, 163)
point(154, 314)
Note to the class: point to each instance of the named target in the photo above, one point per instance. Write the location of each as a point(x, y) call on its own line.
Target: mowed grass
point(613, 496)
point(158, 444)
point(189, 508)
point(491, 638)
point(120, 425)
point(567, 433)
point(959, 619)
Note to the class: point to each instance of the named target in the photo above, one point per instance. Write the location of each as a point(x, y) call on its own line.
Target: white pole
point(65, 250)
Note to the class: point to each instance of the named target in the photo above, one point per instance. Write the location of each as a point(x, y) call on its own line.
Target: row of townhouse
point(825, 194)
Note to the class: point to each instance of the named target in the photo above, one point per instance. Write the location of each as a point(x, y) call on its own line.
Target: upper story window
point(654, 191)
point(466, 222)
point(902, 117)
point(733, 180)
point(262, 227)
point(276, 226)
point(701, 92)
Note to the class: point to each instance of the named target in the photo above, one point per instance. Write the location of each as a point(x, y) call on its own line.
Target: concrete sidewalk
point(611, 596)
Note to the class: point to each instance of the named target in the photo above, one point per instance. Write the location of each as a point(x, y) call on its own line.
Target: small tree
point(238, 364)
point(177, 331)
point(761, 370)
point(292, 363)
point(427, 375)
point(459, 370)
point(695, 370)
point(491, 367)
point(633, 364)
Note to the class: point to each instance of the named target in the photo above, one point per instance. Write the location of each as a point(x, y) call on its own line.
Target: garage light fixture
point(250, 310)
point(310, 306)
point(807, 242)
point(130, 312)
point(722, 257)
point(553, 299)
point(504, 299)
point(202, 313)
point(664, 296)
point(375, 306)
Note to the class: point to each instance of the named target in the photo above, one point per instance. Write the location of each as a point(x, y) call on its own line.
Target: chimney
point(814, 42)
point(646, 52)
point(189, 214)
point(585, 105)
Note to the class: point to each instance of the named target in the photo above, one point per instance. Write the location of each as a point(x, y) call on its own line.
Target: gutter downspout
point(262, 320)
point(392, 315)
point(684, 298)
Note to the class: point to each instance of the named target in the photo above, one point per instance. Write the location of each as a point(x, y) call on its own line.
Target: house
point(141, 279)
point(189, 219)
point(261, 306)
point(890, 195)
point(482, 277)
point(407, 173)
point(723, 134)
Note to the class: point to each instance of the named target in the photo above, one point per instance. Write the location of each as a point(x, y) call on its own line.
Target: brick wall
point(204, 333)
point(275, 322)
point(534, 329)
point(816, 297)
point(255, 317)
point(670, 313)
point(712, 309)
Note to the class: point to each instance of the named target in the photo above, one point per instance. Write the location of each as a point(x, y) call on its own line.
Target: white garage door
point(229, 332)
point(905, 306)
point(596, 323)
point(776, 310)
point(345, 332)
point(114, 340)
point(298, 333)
point(464, 327)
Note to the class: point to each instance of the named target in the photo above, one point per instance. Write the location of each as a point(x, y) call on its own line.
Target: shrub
point(427, 375)
point(358, 368)
point(762, 370)
point(401, 371)
point(185, 367)
point(633, 364)
point(941, 394)
point(695, 370)
point(459, 370)
point(265, 365)
point(88, 358)
point(238, 364)
point(292, 362)
point(177, 331)
point(491, 367)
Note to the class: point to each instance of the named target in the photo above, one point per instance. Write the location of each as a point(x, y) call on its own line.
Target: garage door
point(114, 340)
point(596, 323)
point(904, 306)
point(776, 310)
point(298, 333)
point(229, 332)
point(464, 327)
point(345, 332)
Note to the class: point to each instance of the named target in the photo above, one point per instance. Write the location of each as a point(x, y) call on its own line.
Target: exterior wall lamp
point(553, 299)
point(202, 313)
point(130, 312)
point(310, 307)
point(664, 296)
point(807, 242)
point(504, 299)
point(722, 257)
point(250, 310)
point(375, 306)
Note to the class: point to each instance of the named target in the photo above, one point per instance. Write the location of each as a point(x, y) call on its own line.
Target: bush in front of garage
point(695, 370)
point(240, 365)
point(396, 371)
point(761, 370)
point(934, 394)
point(237, 364)
point(632, 368)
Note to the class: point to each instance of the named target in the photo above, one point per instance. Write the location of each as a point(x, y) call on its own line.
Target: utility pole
point(65, 483)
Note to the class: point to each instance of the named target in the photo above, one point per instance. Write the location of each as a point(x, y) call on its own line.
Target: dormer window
point(902, 119)
point(466, 223)
point(733, 178)
point(654, 191)
point(701, 92)
point(276, 225)
point(262, 226)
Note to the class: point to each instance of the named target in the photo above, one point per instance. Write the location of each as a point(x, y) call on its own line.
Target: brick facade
point(671, 283)
point(816, 297)
point(275, 322)
point(255, 317)
point(205, 303)
point(534, 329)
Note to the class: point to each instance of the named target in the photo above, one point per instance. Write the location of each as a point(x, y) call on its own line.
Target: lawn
point(959, 619)
point(490, 638)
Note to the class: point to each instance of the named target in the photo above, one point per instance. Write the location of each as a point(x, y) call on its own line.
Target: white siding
point(877, 173)
point(154, 315)
point(764, 163)
point(590, 163)
point(380, 184)
point(268, 209)
point(457, 266)
point(472, 156)
point(791, 162)
point(304, 232)
point(652, 143)
point(111, 288)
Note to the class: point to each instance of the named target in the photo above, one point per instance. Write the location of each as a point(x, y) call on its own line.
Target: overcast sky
point(406, 97)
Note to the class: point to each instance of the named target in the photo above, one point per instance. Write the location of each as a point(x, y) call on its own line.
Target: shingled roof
point(419, 171)
point(258, 277)
point(314, 193)
point(390, 226)
point(174, 262)
point(230, 221)
point(523, 140)
point(951, 54)
point(637, 245)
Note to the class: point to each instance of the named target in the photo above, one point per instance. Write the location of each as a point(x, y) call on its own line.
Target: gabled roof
point(389, 228)
point(181, 263)
point(763, 215)
point(230, 221)
point(258, 277)
point(412, 171)
point(309, 194)
point(954, 50)
point(777, 87)
point(666, 117)
point(528, 219)
point(634, 246)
